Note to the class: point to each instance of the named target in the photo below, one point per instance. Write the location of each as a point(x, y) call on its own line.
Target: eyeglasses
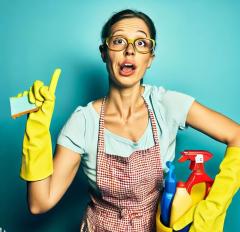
point(119, 43)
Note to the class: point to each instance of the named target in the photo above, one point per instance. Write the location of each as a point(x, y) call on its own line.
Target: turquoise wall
point(197, 53)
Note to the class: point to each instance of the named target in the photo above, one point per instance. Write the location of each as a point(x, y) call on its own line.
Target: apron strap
point(101, 125)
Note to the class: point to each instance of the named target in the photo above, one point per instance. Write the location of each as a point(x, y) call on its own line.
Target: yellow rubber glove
point(159, 226)
point(209, 214)
point(37, 160)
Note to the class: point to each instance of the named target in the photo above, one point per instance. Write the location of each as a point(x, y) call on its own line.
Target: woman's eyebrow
point(116, 31)
point(142, 32)
point(137, 31)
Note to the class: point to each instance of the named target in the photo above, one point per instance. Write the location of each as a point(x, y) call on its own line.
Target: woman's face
point(128, 66)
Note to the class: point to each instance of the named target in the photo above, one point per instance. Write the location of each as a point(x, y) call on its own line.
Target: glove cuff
point(233, 151)
point(227, 181)
point(37, 162)
point(232, 161)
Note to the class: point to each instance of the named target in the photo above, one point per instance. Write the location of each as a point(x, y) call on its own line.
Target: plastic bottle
point(168, 194)
point(181, 203)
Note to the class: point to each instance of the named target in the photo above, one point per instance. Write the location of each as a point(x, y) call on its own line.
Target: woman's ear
point(150, 60)
point(103, 54)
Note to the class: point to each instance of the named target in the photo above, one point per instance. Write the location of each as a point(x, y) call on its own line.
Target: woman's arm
point(214, 124)
point(209, 214)
point(44, 194)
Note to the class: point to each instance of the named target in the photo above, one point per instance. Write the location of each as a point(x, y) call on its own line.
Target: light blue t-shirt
point(80, 133)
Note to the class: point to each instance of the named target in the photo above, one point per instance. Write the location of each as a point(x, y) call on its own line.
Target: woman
point(123, 141)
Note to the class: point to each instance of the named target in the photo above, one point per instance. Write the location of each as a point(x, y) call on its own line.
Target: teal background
point(197, 53)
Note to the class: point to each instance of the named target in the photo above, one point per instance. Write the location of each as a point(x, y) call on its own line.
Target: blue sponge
point(20, 106)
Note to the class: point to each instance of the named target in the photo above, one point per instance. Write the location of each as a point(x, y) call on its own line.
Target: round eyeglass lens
point(117, 43)
point(144, 45)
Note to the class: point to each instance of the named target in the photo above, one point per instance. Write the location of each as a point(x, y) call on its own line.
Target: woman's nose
point(130, 49)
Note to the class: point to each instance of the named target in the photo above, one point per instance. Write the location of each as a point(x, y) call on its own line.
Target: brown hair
point(127, 14)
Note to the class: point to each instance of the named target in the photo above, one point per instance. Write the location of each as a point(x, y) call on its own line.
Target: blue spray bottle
point(168, 194)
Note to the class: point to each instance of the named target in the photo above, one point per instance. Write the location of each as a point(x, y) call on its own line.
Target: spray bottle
point(195, 188)
point(168, 194)
point(198, 175)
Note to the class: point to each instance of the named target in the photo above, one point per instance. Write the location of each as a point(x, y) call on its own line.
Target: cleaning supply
point(20, 105)
point(198, 175)
point(37, 160)
point(182, 202)
point(198, 183)
point(209, 214)
point(168, 194)
point(188, 193)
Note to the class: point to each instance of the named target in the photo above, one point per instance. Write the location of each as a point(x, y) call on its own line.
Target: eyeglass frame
point(131, 41)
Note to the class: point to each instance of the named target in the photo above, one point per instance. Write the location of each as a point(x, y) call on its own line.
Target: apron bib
point(129, 187)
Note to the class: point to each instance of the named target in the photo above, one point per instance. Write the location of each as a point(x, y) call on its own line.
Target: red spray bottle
point(197, 177)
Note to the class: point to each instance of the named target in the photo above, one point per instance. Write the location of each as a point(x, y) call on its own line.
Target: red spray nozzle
point(197, 159)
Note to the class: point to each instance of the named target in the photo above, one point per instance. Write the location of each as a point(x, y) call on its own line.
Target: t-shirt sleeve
point(177, 105)
point(72, 135)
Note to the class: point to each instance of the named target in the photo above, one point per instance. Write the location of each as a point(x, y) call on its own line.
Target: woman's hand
point(37, 145)
point(209, 214)
point(44, 98)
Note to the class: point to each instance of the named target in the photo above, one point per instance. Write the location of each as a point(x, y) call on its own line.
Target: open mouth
point(127, 69)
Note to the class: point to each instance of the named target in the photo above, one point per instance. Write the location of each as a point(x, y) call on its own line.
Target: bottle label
point(199, 158)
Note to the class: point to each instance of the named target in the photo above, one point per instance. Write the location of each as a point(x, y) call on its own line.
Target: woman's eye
point(118, 41)
point(141, 43)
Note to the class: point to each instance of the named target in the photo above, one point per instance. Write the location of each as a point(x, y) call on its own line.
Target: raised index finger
point(54, 80)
